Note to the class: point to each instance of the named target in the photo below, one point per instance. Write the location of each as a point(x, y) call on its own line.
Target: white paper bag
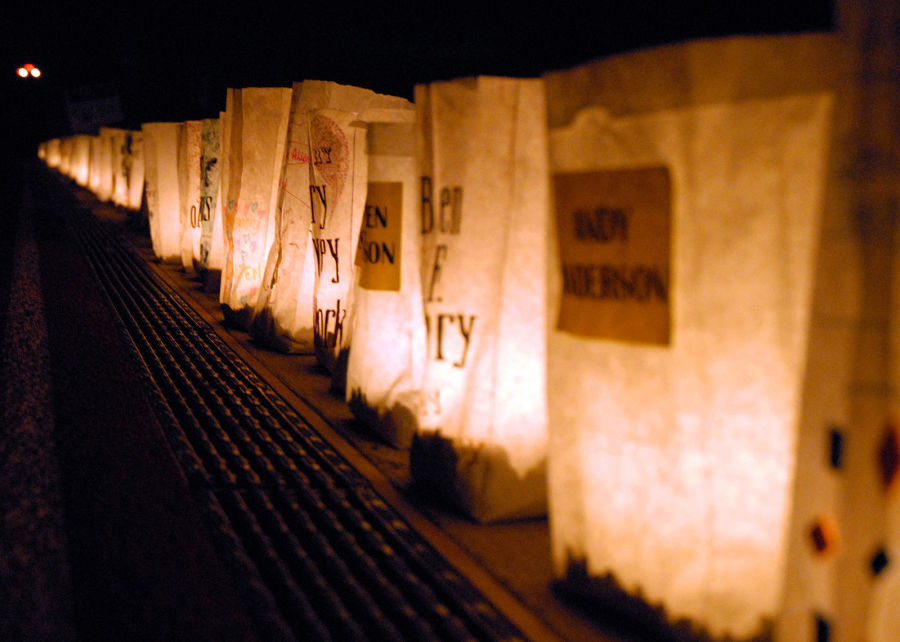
point(255, 154)
point(484, 216)
point(387, 354)
point(337, 189)
point(189, 184)
point(688, 194)
point(162, 188)
point(283, 318)
point(210, 179)
point(133, 159)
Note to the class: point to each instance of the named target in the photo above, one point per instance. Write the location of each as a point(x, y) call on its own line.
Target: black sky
point(173, 60)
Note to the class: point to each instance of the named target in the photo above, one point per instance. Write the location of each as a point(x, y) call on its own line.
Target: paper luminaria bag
point(189, 191)
point(162, 188)
point(255, 148)
point(688, 193)
point(387, 354)
point(283, 318)
point(209, 212)
point(484, 216)
point(133, 160)
point(338, 115)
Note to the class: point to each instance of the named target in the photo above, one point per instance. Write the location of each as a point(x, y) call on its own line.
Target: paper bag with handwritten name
point(483, 216)
point(162, 188)
point(189, 186)
point(119, 195)
point(688, 192)
point(283, 318)
point(385, 366)
point(337, 190)
point(255, 150)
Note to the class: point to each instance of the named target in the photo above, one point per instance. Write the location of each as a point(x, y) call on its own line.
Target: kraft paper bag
point(688, 194)
point(387, 354)
point(210, 262)
point(337, 190)
point(255, 150)
point(162, 189)
point(484, 220)
point(283, 319)
point(189, 183)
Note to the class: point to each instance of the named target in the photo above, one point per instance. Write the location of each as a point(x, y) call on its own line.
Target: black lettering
point(440, 253)
point(373, 216)
point(333, 250)
point(639, 283)
point(603, 225)
point(317, 194)
point(427, 209)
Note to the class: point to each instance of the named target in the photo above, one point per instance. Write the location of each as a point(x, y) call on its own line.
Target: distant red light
point(28, 69)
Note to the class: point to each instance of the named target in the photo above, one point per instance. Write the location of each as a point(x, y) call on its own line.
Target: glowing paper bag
point(189, 190)
point(210, 172)
point(162, 188)
point(119, 191)
point(81, 158)
point(255, 154)
point(65, 156)
point(484, 218)
point(106, 160)
point(687, 215)
point(387, 355)
point(94, 167)
point(337, 190)
point(53, 157)
point(133, 163)
point(283, 318)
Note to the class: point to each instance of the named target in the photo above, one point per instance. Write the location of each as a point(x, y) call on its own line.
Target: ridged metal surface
point(317, 554)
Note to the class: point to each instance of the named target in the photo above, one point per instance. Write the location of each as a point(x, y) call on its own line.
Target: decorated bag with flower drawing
point(337, 190)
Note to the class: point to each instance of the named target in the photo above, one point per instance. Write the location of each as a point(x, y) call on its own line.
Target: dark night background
point(174, 60)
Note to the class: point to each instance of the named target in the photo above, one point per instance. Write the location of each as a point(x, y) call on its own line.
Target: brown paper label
point(614, 230)
point(378, 250)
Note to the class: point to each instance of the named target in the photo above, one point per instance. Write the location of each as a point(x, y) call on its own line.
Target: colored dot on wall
point(824, 534)
point(879, 562)
point(889, 455)
point(823, 629)
point(836, 443)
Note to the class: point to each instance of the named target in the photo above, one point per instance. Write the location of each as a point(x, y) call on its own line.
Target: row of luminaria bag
point(630, 259)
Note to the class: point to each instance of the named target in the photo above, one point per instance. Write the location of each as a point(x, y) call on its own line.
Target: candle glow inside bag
point(484, 215)
point(686, 254)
